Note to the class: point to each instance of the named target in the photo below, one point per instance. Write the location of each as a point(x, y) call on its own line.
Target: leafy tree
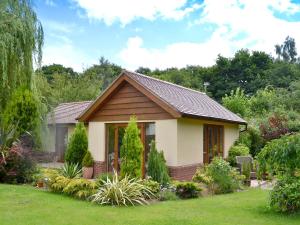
point(157, 168)
point(23, 111)
point(21, 40)
point(287, 51)
point(131, 151)
point(77, 146)
point(237, 102)
point(50, 70)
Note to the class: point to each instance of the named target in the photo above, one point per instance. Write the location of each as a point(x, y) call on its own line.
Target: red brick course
point(99, 167)
point(183, 172)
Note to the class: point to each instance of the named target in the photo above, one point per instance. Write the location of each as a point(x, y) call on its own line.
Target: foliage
point(131, 151)
point(59, 183)
point(287, 51)
point(103, 177)
point(167, 195)
point(263, 101)
point(125, 191)
point(21, 40)
point(16, 167)
point(80, 188)
point(280, 156)
point(274, 128)
point(285, 196)
point(219, 176)
point(237, 102)
point(157, 168)
point(152, 185)
point(237, 150)
point(88, 160)
point(252, 139)
point(186, 190)
point(71, 170)
point(246, 171)
point(22, 110)
point(78, 145)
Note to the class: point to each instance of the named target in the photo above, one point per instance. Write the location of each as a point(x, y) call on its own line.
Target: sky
point(162, 33)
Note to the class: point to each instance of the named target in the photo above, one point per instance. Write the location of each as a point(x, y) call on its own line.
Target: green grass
point(27, 205)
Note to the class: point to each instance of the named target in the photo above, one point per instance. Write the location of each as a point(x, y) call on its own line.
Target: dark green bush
point(131, 151)
point(88, 160)
point(77, 146)
point(219, 176)
point(186, 190)
point(252, 139)
point(285, 196)
point(101, 178)
point(157, 168)
point(237, 150)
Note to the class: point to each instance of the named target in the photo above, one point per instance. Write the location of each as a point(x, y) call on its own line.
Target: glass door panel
point(213, 142)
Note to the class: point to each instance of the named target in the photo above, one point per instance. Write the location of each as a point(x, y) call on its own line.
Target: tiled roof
point(187, 101)
point(66, 113)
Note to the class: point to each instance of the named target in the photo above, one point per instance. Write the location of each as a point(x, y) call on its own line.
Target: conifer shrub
point(157, 168)
point(88, 160)
point(77, 146)
point(131, 151)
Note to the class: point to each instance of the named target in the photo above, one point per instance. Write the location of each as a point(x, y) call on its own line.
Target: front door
point(213, 142)
point(115, 134)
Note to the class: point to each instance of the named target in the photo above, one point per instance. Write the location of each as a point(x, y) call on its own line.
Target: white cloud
point(111, 11)
point(67, 55)
point(239, 24)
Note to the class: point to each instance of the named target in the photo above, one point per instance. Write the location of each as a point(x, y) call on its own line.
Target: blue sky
point(161, 34)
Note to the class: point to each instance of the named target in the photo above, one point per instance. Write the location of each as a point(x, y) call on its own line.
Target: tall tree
point(21, 40)
point(287, 51)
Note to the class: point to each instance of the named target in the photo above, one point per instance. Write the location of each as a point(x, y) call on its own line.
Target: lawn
point(27, 205)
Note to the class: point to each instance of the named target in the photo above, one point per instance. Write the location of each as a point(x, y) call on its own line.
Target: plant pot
point(40, 184)
point(87, 172)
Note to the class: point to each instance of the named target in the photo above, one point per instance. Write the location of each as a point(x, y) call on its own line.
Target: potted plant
point(87, 165)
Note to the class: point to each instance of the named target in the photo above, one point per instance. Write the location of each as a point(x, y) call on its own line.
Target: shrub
point(237, 102)
point(237, 150)
point(59, 183)
point(246, 171)
point(80, 188)
point(71, 170)
point(124, 191)
point(131, 151)
point(157, 168)
point(16, 167)
point(252, 139)
point(103, 177)
point(219, 176)
point(274, 128)
point(285, 196)
point(152, 185)
point(77, 145)
point(167, 195)
point(186, 190)
point(22, 110)
point(280, 156)
point(88, 160)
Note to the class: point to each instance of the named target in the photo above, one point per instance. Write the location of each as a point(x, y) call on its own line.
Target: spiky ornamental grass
point(122, 192)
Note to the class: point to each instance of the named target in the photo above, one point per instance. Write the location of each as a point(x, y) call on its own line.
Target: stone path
point(268, 185)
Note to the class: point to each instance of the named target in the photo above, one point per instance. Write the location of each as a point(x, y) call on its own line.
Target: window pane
point(111, 146)
point(149, 136)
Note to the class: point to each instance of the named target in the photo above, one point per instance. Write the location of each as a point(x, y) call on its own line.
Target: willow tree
point(21, 40)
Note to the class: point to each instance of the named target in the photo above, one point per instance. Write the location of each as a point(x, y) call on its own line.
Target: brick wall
point(183, 172)
point(99, 167)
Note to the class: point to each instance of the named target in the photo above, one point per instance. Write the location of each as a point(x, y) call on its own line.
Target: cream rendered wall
point(71, 129)
point(96, 137)
point(189, 142)
point(190, 139)
point(166, 139)
point(231, 134)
